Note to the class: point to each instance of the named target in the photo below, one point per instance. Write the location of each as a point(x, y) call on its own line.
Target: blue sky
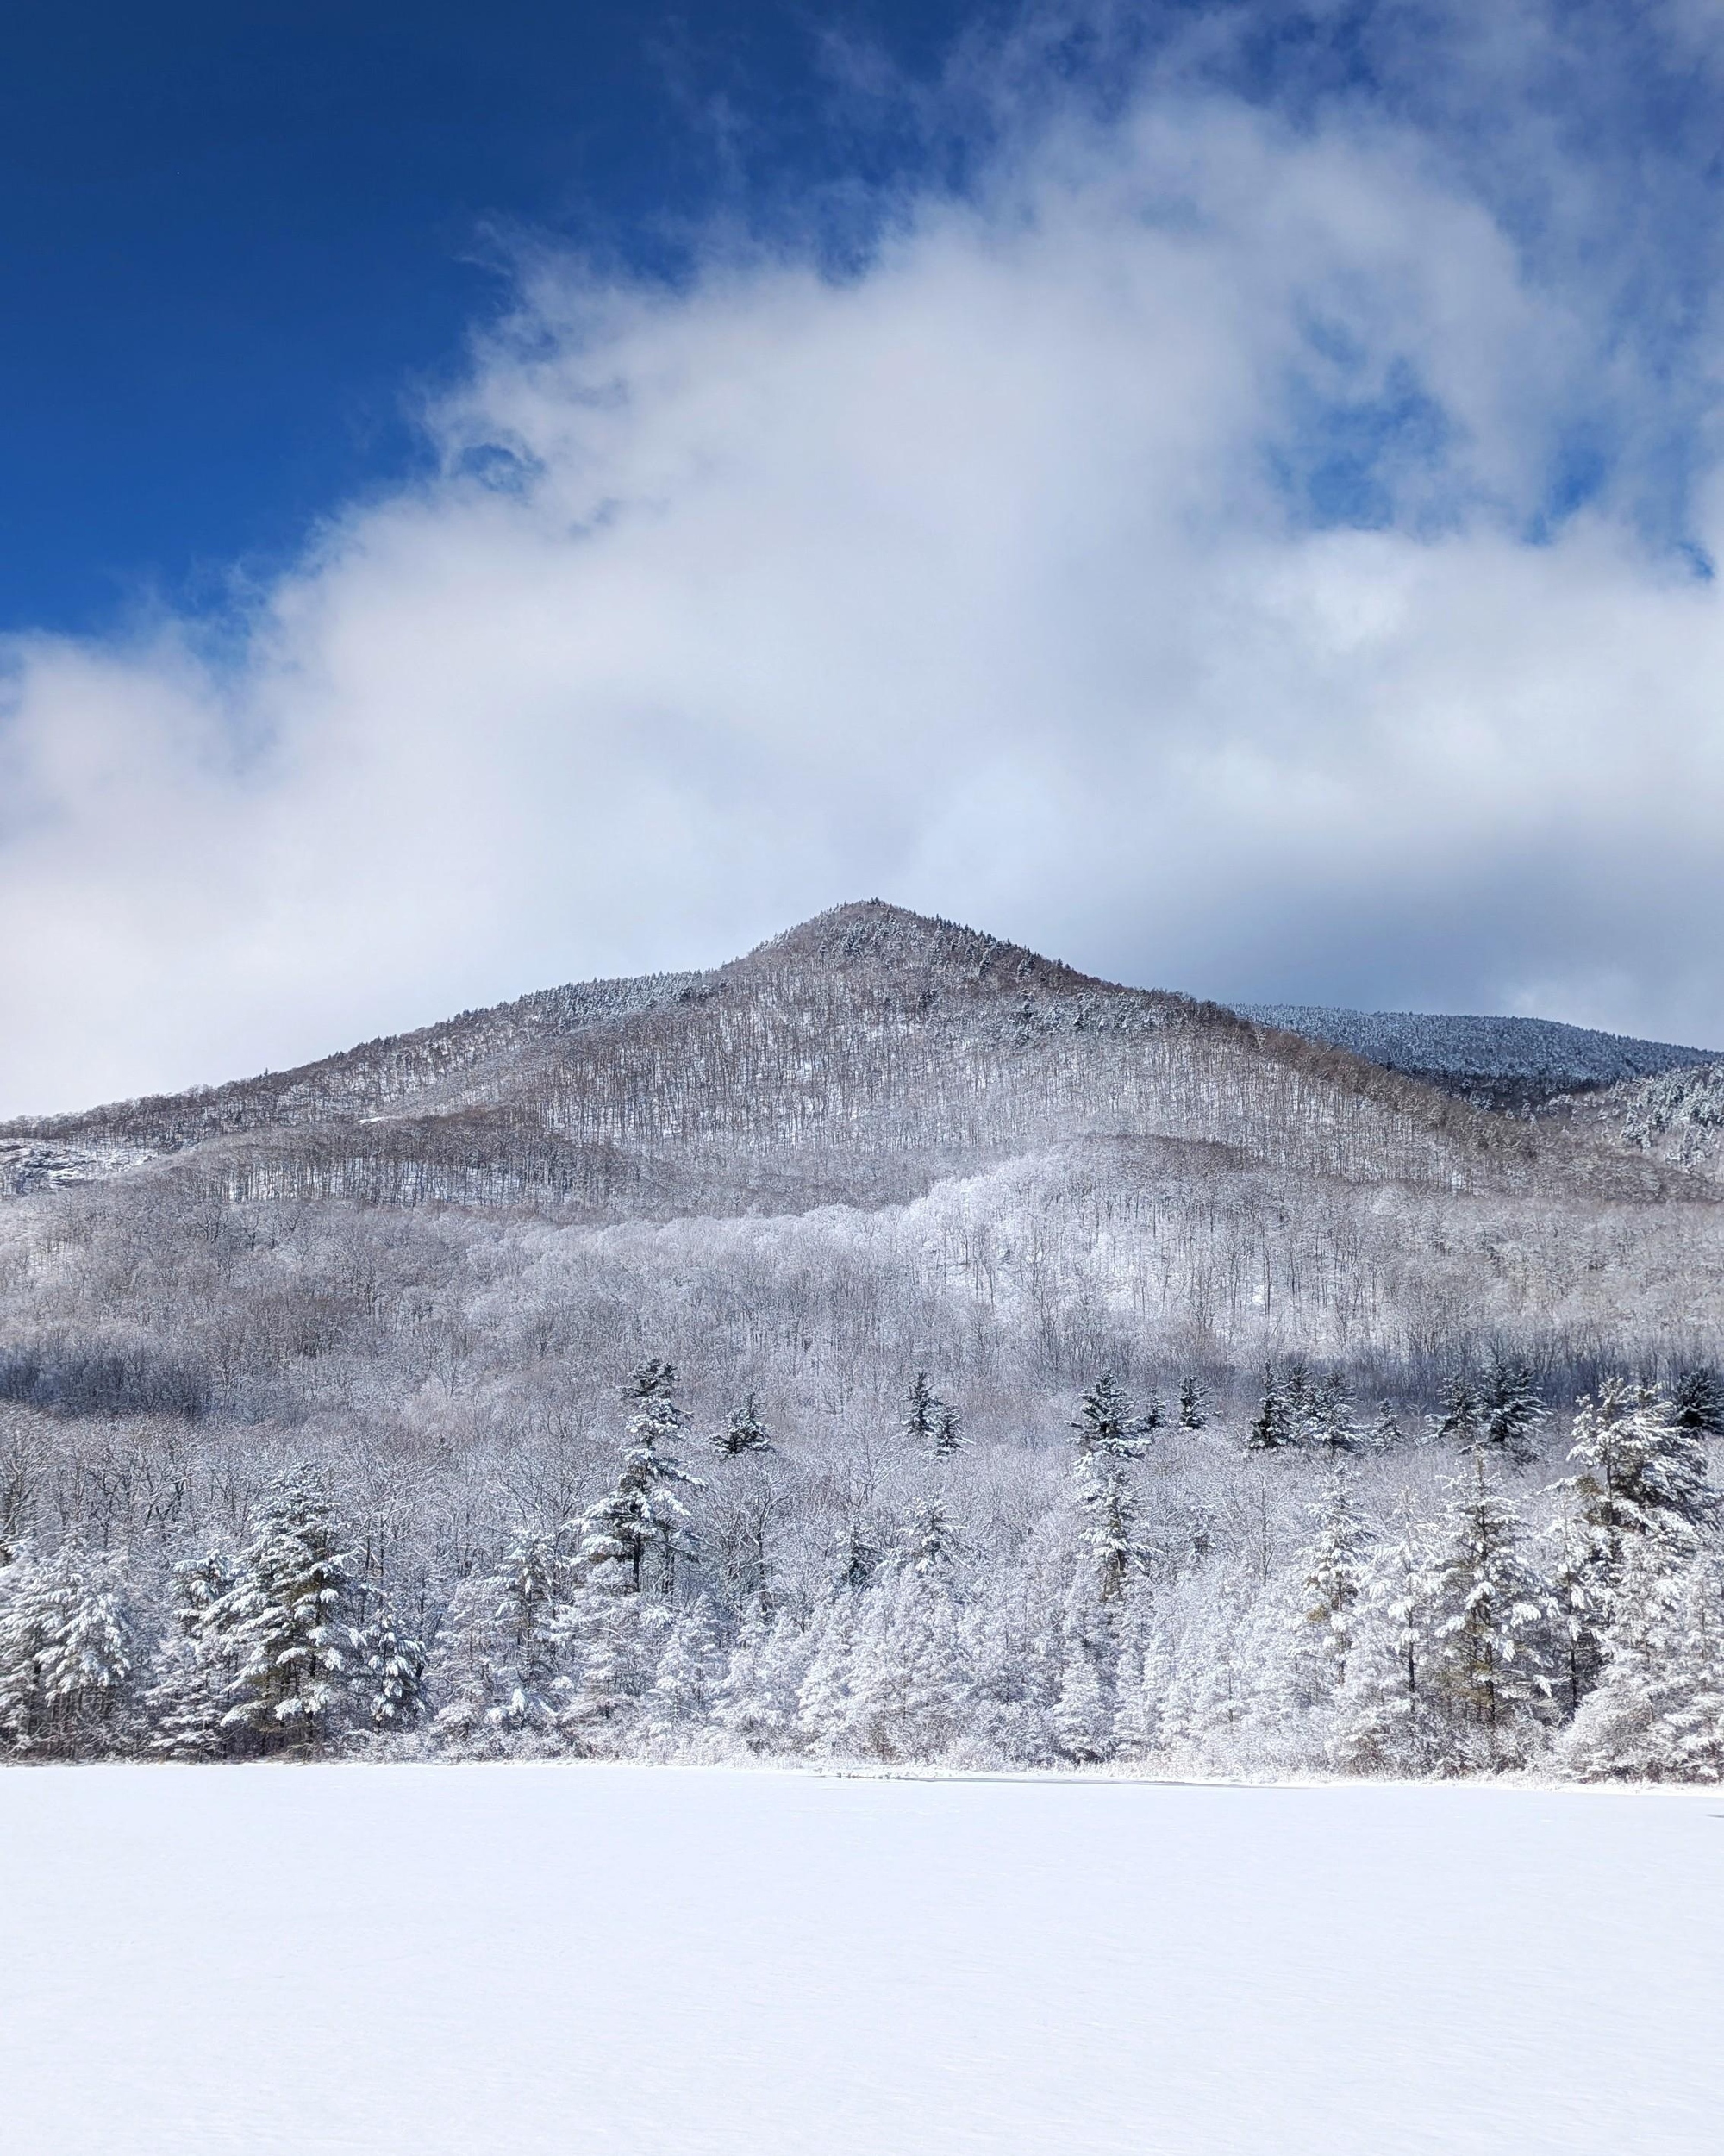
point(1228, 495)
point(237, 240)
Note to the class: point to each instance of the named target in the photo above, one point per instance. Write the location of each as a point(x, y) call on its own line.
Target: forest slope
point(860, 1058)
point(1516, 1064)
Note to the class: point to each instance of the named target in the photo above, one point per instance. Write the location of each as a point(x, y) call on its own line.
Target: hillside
point(1513, 1064)
point(880, 1160)
point(861, 1058)
point(1676, 1117)
point(875, 1139)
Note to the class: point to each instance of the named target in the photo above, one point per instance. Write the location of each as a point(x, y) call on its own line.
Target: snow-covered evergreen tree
point(67, 1649)
point(823, 1696)
point(745, 1433)
point(469, 1670)
point(1082, 1712)
point(687, 1674)
point(1657, 1712)
point(908, 1678)
point(1582, 1592)
point(1638, 1472)
point(611, 1645)
point(1331, 1424)
point(1509, 1409)
point(948, 1437)
point(288, 1623)
point(735, 1708)
point(391, 1679)
point(1107, 1424)
point(931, 1542)
point(861, 1556)
point(1383, 1721)
point(185, 1703)
point(1083, 1715)
point(1332, 1577)
point(1461, 1423)
point(1194, 1405)
point(643, 1514)
point(1491, 1624)
point(1697, 1402)
point(922, 1413)
point(1108, 1522)
point(1271, 1428)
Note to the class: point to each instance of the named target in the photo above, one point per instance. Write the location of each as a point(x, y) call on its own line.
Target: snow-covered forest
point(1323, 1592)
point(892, 1347)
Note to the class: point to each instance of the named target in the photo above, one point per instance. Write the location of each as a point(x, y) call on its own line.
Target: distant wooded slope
point(1515, 1064)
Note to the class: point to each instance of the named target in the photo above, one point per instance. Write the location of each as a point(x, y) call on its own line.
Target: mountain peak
point(870, 932)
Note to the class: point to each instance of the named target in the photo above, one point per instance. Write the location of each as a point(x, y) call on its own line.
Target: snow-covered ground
point(571, 1957)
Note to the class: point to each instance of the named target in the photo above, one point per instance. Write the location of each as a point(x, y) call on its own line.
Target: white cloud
point(982, 581)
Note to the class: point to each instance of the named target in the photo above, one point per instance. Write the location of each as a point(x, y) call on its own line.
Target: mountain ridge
point(858, 1057)
point(1516, 1066)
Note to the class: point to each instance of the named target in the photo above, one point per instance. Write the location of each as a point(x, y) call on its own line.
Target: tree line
point(1312, 1589)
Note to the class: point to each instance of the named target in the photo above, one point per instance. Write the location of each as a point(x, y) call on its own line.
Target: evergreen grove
point(1316, 1591)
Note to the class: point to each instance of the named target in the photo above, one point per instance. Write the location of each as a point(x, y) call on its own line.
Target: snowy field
point(571, 1957)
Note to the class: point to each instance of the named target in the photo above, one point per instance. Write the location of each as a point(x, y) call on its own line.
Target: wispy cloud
point(1244, 538)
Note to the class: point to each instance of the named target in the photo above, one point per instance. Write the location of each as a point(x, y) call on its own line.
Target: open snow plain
point(428, 1960)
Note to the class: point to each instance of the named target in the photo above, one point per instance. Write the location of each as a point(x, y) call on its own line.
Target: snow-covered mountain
point(875, 1140)
point(863, 1057)
point(978, 1277)
point(1515, 1064)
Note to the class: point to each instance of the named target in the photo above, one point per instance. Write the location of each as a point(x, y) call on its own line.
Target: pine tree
point(469, 1669)
point(1108, 1513)
point(745, 1434)
point(1303, 1403)
point(1581, 1597)
point(87, 1669)
point(931, 1542)
point(948, 1433)
point(528, 1609)
point(1194, 1406)
point(823, 1696)
point(1333, 1572)
point(1137, 1718)
point(643, 1513)
point(1697, 1403)
point(861, 1557)
point(734, 1709)
point(1657, 1712)
point(922, 1413)
point(1492, 1623)
point(612, 1644)
point(392, 1680)
point(1271, 1431)
point(1461, 1423)
point(1083, 1715)
point(909, 1687)
point(1383, 1720)
point(688, 1673)
point(1082, 1720)
point(782, 1665)
point(184, 1705)
point(1639, 1471)
point(287, 1621)
point(1510, 1410)
point(1107, 1422)
point(1331, 1423)
point(66, 1649)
